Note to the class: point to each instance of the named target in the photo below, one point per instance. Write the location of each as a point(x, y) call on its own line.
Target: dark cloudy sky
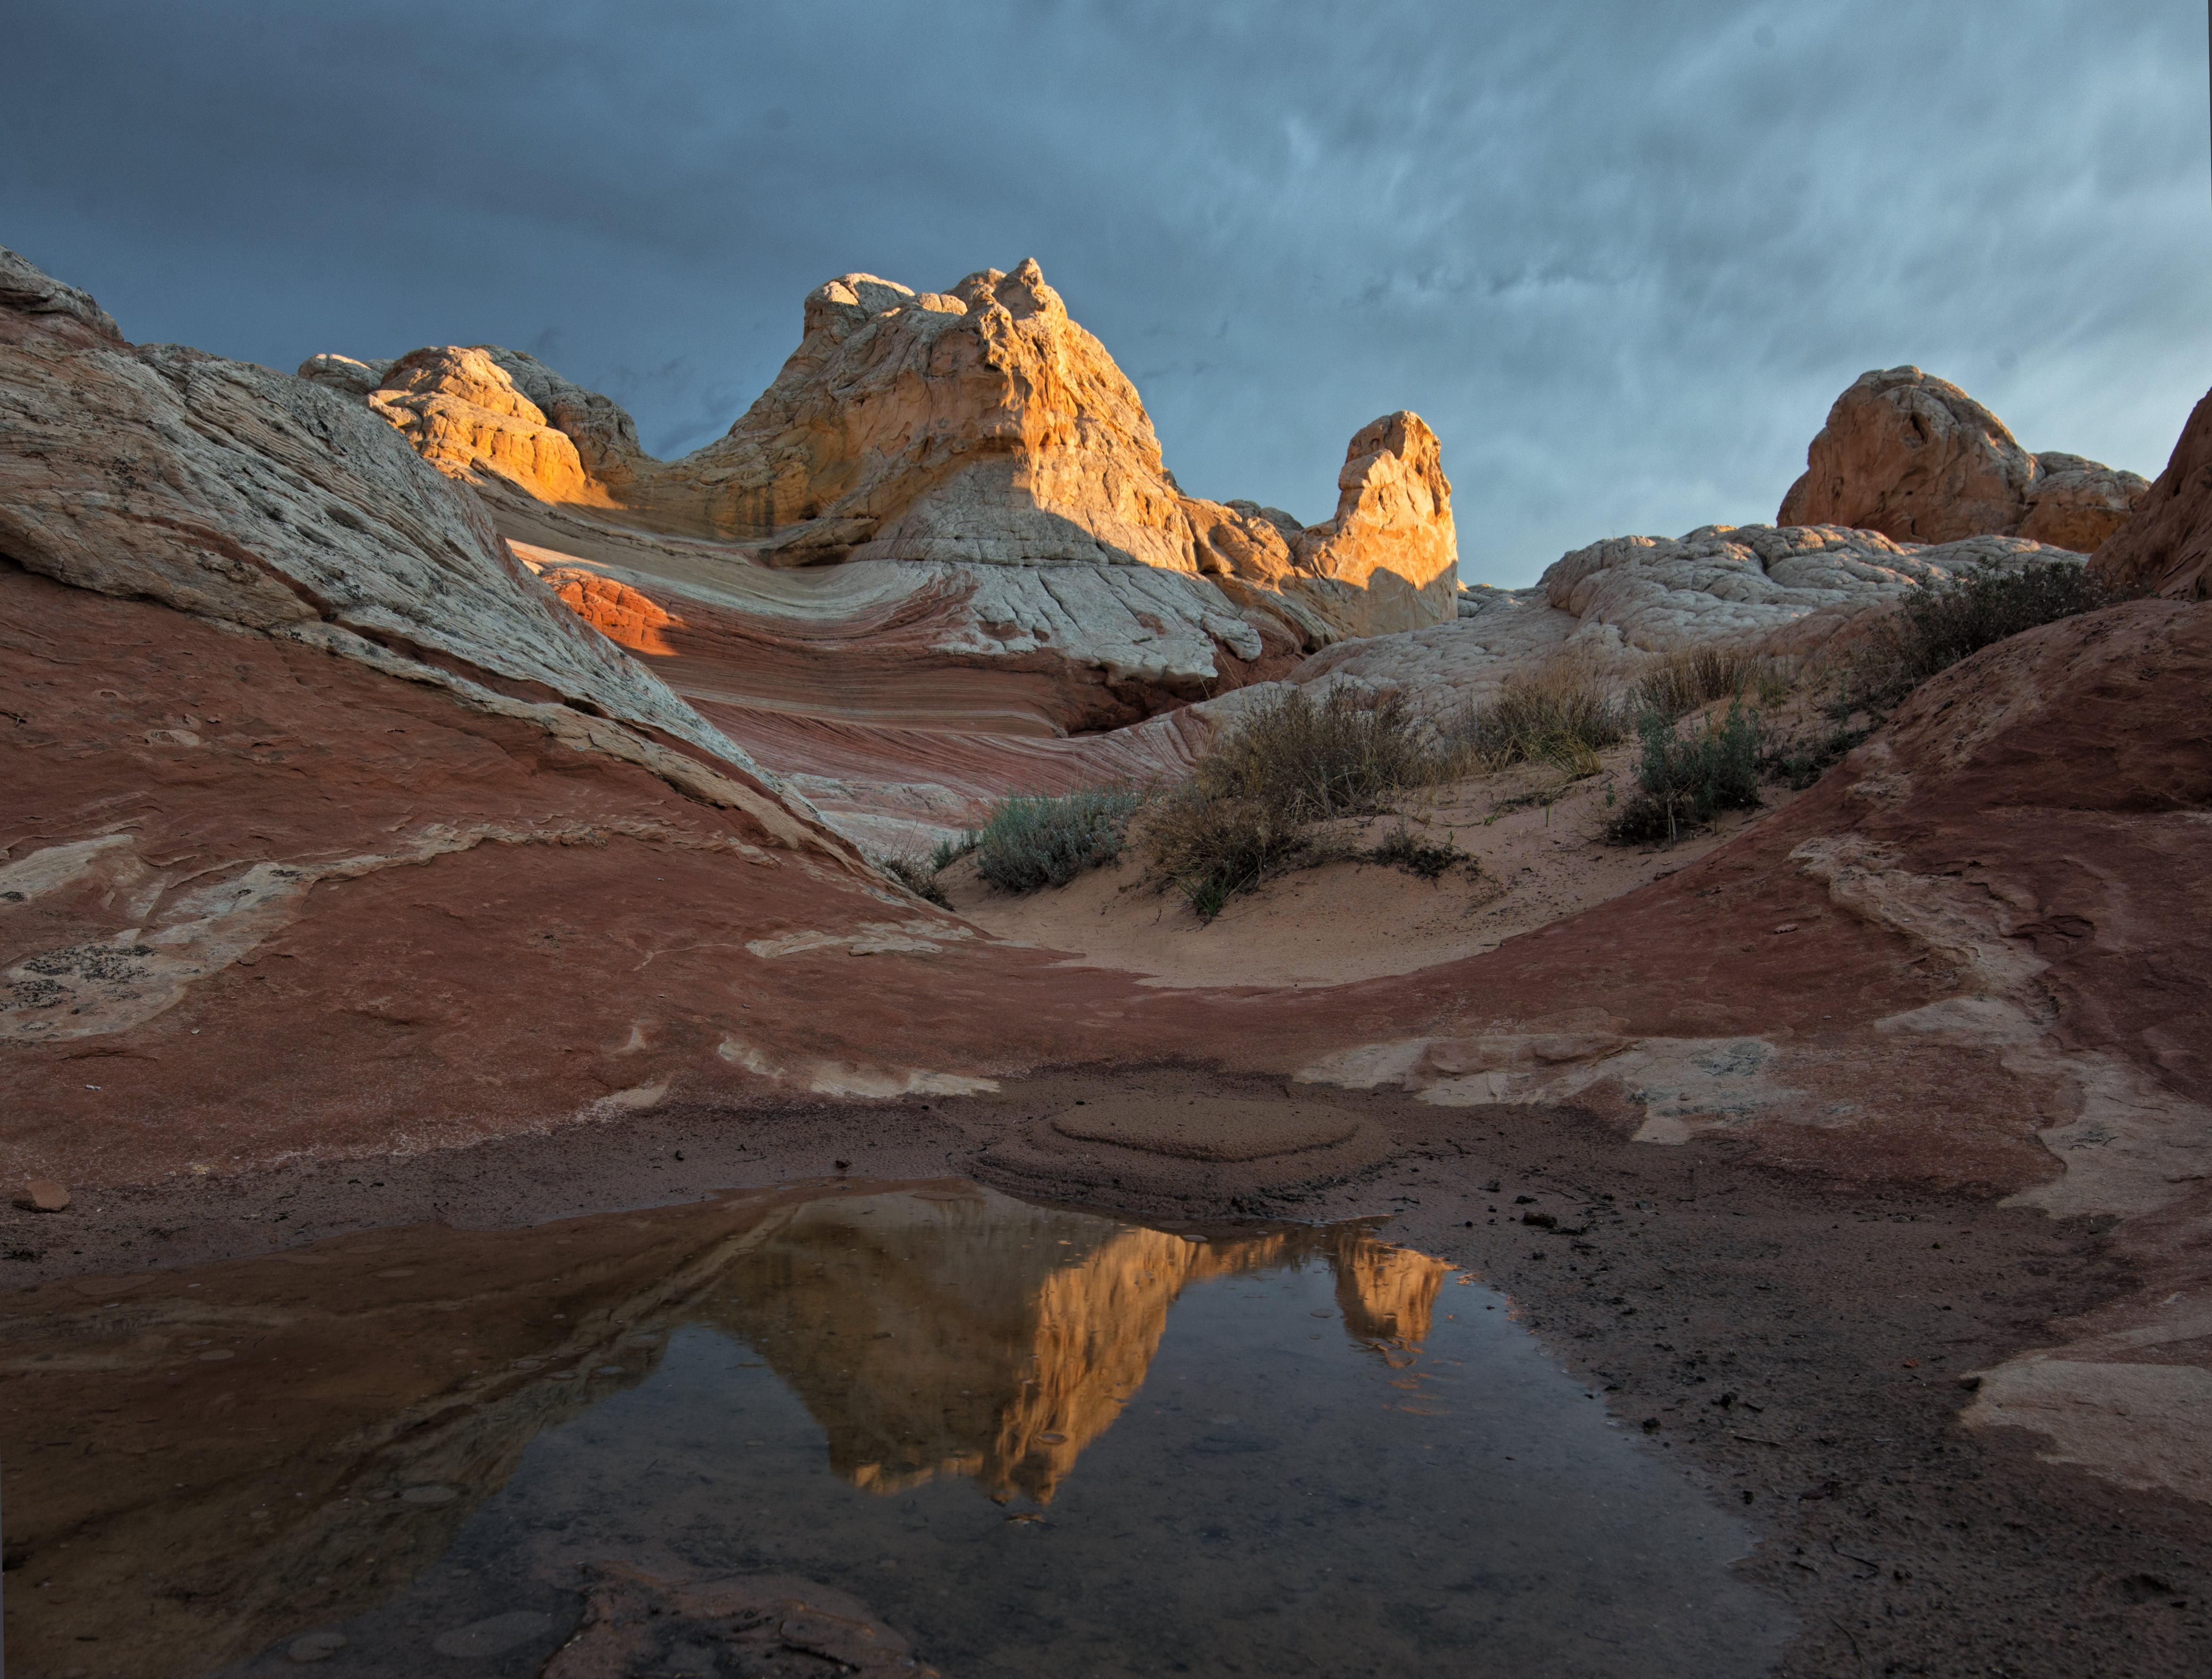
point(1621, 253)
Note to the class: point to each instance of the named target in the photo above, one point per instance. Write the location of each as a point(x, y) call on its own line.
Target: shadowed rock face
point(2167, 548)
point(1916, 459)
point(980, 426)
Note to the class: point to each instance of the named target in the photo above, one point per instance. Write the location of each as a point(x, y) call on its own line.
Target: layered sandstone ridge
point(1916, 459)
point(977, 427)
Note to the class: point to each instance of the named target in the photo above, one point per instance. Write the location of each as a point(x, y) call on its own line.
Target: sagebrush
point(1031, 841)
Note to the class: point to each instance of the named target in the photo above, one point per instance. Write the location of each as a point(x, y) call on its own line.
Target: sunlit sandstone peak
point(978, 426)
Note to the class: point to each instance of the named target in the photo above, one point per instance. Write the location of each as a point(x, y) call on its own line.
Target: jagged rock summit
point(980, 426)
point(1916, 459)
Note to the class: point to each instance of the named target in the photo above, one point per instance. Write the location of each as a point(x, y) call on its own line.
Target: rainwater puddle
point(797, 1431)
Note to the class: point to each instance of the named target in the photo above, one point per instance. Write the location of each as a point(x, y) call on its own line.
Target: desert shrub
point(1209, 848)
point(1684, 780)
point(1308, 758)
point(1290, 761)
point(1938, 624)
point(1417, 854)
point(1830, 734)
point(917, 876)
point(1680, 682)
point(1028, 843)
point(1560, 716)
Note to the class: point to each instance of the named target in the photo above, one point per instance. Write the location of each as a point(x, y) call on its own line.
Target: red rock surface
point(2166, 548)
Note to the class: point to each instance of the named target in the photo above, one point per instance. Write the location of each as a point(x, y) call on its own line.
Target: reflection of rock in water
point(976, 1336)
point(1385, 1293)
point(237, 1433)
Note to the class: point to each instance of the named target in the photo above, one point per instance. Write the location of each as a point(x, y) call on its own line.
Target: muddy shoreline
point(1801, 1350)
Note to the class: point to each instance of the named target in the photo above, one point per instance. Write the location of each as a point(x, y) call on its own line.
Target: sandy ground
point(1528, 864)
point(1798, 1350)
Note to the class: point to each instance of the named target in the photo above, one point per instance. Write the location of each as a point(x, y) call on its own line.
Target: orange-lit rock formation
point(982, 426)
point(1916, 459)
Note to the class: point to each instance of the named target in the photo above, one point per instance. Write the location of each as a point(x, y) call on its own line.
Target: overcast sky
point(1621, 254)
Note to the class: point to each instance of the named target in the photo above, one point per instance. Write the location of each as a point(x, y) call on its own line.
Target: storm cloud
point(1621, 256)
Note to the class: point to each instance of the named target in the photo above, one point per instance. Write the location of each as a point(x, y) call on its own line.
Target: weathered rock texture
point(1752, 588)
point(1916, 459)
point(2166, 549)
point(978, 427)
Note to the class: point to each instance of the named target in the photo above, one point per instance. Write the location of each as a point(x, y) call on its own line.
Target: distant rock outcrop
point(1916, 459)
point(2166, 549)
point(1752, 588)
point(982, 426)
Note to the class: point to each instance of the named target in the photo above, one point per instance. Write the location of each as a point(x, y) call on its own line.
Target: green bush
point(1683, 781)
point(949, 852)
point(1418, 855)
point(1032, 842)
point(1938, 624)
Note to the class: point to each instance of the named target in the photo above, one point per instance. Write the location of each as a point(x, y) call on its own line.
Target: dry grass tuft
point(917, 876)
point(1564, 713)
point(1676, 683)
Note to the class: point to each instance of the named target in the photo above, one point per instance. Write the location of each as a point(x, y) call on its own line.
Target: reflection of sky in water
point(1035, 1441)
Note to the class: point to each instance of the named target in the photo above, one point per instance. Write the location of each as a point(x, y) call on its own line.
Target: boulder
point(2167, 548)
point(1916, 459)
point(978, 427)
